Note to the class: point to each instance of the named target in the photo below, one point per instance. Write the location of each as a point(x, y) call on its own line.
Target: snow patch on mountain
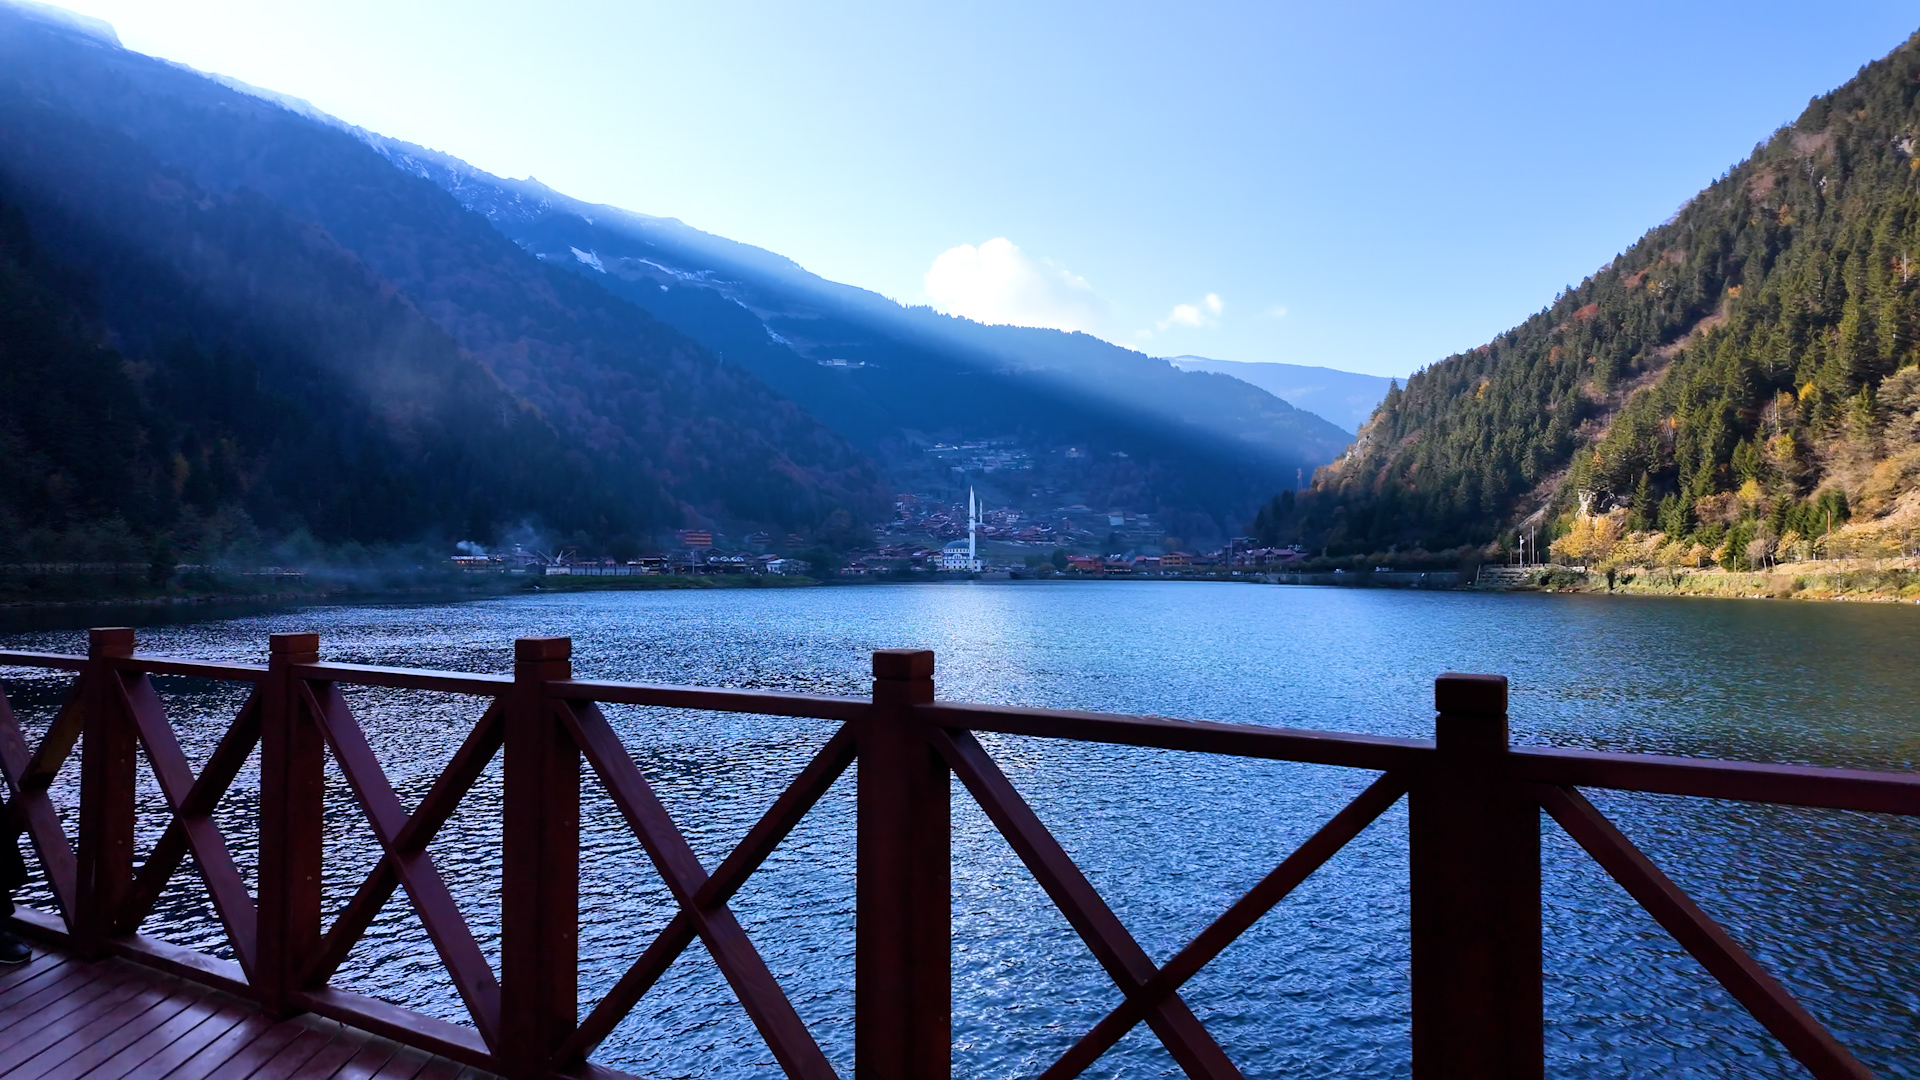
point(701, 276)
point(98, 29)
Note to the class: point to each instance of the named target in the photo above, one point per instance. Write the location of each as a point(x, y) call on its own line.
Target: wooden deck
point(67, 1019)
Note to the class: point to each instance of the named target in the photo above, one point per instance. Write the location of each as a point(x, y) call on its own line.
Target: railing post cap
point(533, 650)
point(110, 641)
point(1470, 695)
point(903, 663)
point(290, 644)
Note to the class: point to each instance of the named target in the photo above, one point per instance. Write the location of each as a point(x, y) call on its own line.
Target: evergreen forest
point(1738, 387)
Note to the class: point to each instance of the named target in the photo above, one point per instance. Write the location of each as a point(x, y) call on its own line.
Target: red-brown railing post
point(1477, 990)
point(540, 866)
point(109, 746)
point(293, 786)
point(903, 911)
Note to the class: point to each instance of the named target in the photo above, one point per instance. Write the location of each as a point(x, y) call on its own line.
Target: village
point(926, 539)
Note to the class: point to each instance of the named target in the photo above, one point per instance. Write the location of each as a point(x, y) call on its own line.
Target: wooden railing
point(1474, 830)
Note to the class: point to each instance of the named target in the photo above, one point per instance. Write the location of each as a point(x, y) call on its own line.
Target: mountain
point(394, 366)
point(1347, 398)
point(1088, 421)
point(674, 378)
point(1737, 386)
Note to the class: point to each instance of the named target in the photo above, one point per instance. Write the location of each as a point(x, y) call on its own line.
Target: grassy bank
point(1873, 580)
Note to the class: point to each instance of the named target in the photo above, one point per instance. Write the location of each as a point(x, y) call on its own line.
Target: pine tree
point(1676, 520)
point(1639, 517)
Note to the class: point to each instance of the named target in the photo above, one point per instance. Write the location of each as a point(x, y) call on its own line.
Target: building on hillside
point(696, 538)
point(481, 564)
point(958, 555)
point(965, 554)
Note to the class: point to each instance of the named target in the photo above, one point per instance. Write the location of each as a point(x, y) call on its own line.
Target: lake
point(1320, 987)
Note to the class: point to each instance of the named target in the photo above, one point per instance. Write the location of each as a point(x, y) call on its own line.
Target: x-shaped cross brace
point(190, 801)
point(28, 808)
point(703, 900)
point(1151, 993)
point(403, 839)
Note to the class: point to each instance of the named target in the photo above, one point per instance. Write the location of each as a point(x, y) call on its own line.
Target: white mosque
point(965, 554)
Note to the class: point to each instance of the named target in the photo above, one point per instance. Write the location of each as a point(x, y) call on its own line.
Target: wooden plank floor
point(68, 1019)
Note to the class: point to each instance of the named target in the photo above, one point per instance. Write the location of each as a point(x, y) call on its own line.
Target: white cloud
point(1203, 312)
point(1277, 311)
point(998, 283)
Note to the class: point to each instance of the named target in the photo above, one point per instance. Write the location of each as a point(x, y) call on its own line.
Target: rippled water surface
point(1319, 987)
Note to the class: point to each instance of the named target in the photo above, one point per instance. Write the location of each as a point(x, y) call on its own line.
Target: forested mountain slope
point(1200, 450)
point(684, 379)
point(1734, 386)
point(413, 372)
point(188, 449)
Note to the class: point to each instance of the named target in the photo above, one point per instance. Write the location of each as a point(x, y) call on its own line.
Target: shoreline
point(1884, 581)
point(1874, 581)
point(451, 590)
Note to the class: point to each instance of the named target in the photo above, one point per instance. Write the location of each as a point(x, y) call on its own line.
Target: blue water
point(1320, 987)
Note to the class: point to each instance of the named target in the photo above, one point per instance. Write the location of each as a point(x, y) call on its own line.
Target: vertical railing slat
point(108, 758)
point(540, 872)
point(292, 813)
point(1478, 998)
point(903, 949)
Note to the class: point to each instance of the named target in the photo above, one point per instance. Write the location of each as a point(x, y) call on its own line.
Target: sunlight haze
point(1368, 188)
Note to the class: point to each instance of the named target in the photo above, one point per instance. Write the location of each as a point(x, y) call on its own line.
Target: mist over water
point(1320, 987)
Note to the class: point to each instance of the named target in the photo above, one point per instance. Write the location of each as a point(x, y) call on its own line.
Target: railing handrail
point(400, 678)
point(1306, 746)
point(1474, 809)
point(1772, 783)
point(1863, 790)
point(712, 699)
point(55, 661)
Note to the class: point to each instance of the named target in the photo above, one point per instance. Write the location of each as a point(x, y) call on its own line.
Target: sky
point(1362, 186)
